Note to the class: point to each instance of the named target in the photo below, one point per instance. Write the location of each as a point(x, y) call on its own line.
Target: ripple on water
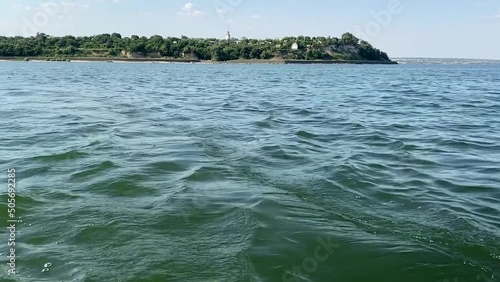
point(168, 167)
point(305, 134)
point(66, 156)
point(92, 170)
point(280, 153)
point(264, 124)
point(205, 174)
point(129, 185)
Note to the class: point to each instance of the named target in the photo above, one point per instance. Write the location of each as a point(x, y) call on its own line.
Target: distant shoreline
point(167, 60)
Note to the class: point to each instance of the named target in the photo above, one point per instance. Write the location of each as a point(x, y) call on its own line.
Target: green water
point(165, 172)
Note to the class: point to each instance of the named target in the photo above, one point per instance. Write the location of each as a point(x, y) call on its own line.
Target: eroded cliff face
point(347, 49)
point(154, 55)
point(136, 55)
point(190, 56)
point(131, 54)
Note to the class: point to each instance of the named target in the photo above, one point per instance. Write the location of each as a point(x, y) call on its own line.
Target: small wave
point(264, 124)
point(458, 188)
point(67, 156)
point(93, 170)
point(129, 186)
point(305, 134)
point(277, 152)
point(204, 174)
point(168, 167)
point(466, 144)
point(303, 112)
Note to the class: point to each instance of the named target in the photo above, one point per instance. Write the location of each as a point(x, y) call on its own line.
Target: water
point(446, 61)
point(167, 172)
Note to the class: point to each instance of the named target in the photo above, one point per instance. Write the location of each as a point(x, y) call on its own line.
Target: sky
point(402, 28)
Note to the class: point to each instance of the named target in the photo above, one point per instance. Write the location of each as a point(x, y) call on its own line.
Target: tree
point(349, 39)
point(266, 54)
point(311, 48)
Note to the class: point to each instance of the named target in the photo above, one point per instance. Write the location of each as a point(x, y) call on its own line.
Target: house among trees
point(295, 46)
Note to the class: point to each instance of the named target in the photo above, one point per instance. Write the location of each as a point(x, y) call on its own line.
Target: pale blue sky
point(416, 28)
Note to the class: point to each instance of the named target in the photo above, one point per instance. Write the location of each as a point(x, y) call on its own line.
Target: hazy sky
point(402, 28)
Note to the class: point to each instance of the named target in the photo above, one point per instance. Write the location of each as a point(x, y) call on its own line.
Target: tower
point(228, 35)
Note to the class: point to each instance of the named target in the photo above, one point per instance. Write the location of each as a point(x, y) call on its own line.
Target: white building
point(295, 46)
point(228, 35)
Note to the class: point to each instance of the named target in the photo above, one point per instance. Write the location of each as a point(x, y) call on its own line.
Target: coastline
point(190, 61)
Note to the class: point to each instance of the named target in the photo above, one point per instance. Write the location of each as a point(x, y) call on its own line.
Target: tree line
point(347, 47)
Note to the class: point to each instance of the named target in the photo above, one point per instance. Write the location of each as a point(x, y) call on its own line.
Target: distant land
point(445, 61)
point(109, 47)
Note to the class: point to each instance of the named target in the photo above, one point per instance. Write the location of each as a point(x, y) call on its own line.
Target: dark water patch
point(352, 126)
point(56, 157)
point(458, 188)
point(92, 233)
point(313, 146)
point(34, 171)
point(264, 124)
point(402, 127)
point(408, 172)
point(62, 196)
point(465, 144)
point(168, 167)
point(385, 157)
point(129, 186)
point(255, 109)
point(419, 148)
point(415, 183)
point(305, 134)
point(303, 112)
point(93, 144)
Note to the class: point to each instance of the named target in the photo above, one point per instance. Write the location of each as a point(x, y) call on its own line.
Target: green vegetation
point(348, 47)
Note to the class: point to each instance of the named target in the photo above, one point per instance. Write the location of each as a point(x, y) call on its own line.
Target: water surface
point(171, 172)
